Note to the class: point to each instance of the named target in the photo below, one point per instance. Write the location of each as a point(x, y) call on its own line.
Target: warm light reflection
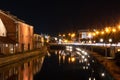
point(65, 40)
point(73, 35)
point(63, 35)
point(59, 34)
point(102, 74)
point(90, 78)
point(118, 50)
point(83, 67)
point(59, 59)
point(69, 60)
point(72, 59)
point(119, 27)
point(69, 34)
point(63, 59)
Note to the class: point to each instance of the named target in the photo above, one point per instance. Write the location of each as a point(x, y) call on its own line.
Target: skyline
point(55, 17)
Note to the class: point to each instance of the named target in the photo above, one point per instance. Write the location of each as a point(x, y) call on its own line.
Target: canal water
point(73, 63)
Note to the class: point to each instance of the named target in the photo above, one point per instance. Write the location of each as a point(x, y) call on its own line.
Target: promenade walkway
point(4, 60)
point(109, 65)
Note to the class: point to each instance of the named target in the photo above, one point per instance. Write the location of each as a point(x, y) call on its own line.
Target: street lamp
point(97, 32)
point(63, 35)
point(110, 40)
point(101, 40)
point(114, 30)
point(102, 32)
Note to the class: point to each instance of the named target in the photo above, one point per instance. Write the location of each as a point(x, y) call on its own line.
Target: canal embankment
point(5, 60)
point(109, 64)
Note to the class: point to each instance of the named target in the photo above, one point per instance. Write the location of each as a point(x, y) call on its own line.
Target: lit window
point(16, 45)
point(6, 45)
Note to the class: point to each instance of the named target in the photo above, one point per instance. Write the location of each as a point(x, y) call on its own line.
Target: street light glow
point(113, 30)
point(97, 32)
point(101, 40)
point(110, 40)
point(102, 32)
point(107, 30)
point(73, 35)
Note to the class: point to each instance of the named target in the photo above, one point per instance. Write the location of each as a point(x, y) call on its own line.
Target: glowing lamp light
point(59, 34)
point(107, 30)
point(73, 35)
point(97, 32)
point(113, 30)
point(102, 32)
point(63, 35)
point(101, 40)
point(93, 34)
point(65, 41)
point(102, 74)
point(118, 50)
point(119, 27)
point(110, 40)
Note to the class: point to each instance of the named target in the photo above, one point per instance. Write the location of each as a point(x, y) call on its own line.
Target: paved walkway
point(109, 65)
point(13, 58)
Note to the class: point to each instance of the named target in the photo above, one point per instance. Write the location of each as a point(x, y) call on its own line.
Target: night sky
point(53, 17)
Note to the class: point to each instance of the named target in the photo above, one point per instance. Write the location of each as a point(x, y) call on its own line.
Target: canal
point(71, 63)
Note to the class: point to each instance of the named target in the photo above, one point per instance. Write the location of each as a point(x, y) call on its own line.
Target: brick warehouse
point(16, 35)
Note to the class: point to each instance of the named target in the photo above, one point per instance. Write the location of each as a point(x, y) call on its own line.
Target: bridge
point(104, 53)
point(107, 50)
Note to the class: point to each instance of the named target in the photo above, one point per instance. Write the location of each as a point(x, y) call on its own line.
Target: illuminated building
point(38, 41)
point(84, 36)
point(16, 35)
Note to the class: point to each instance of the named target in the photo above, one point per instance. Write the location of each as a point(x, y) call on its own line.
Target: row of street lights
point(109, 34)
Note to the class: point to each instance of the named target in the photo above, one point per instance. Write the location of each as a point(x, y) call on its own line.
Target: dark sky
point(53, 17)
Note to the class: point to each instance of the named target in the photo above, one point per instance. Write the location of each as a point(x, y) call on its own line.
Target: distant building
point(17, 32)
point(84, 35)
point(38, 41)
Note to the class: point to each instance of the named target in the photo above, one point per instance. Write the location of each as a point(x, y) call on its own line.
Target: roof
point(7, 40)
point(11, 16)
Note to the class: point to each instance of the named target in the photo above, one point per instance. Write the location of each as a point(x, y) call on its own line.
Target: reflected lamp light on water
point(72, 59)
point(103, 74)
point(83, 57)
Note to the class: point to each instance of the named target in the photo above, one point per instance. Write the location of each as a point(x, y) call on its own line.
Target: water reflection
point(22, 70)
point(71, 64)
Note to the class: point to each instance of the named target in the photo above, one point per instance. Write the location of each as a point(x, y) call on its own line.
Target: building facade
point(16, 35)
point(7, 45)
point(84, 36)
point(38, 41)
point(25, 36)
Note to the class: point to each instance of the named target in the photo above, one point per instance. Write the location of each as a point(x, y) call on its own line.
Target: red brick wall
point(25, 36)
